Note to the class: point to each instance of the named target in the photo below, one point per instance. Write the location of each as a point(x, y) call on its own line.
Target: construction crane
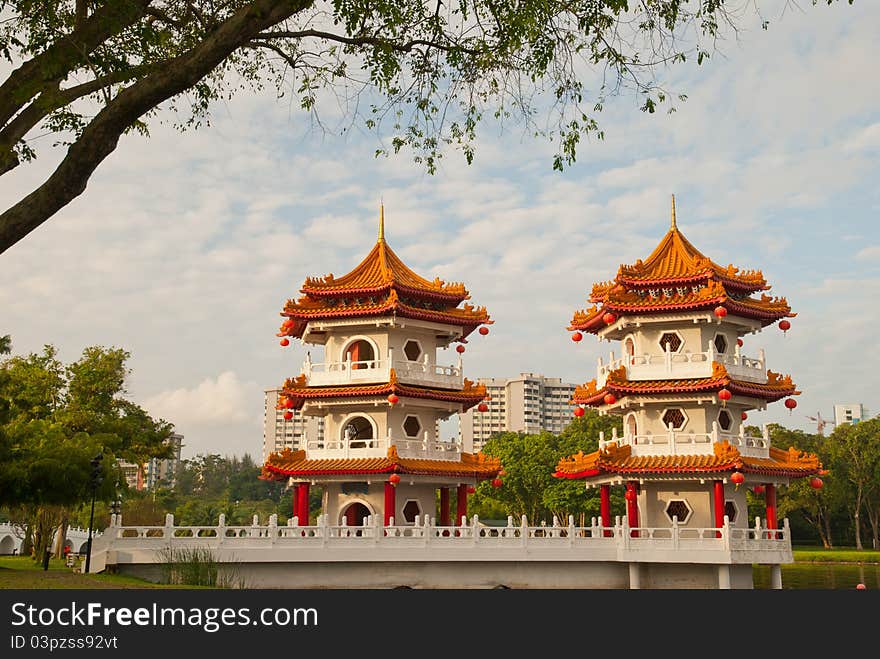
point(820, 423)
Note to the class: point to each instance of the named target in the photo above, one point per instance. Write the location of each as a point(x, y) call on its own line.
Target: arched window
point(632, 428)
point(629, 349)
point(357, 432)
point(359, 352)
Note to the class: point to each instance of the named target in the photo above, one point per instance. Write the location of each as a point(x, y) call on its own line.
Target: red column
point(303, 512)
point(444, 506)
point(632, 505)
point(605, 507)
point(719, 506)
point(295, 508)
point(770, 501)
point(461, 503)
point(390, 502)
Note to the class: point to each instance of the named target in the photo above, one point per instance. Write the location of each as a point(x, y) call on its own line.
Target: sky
point(185, 246)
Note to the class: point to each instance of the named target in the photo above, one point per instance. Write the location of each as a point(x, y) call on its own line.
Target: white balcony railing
point(668, 364)
point(690, 443)
point(424, 448)
point(470, 540)
point(362, 372)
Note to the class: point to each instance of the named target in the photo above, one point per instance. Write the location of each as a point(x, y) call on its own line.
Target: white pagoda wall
point(335, 500)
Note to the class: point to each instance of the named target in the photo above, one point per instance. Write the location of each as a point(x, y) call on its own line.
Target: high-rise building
point(163, 471)
point(530, 403)
point(294, 433)
point(849, 413)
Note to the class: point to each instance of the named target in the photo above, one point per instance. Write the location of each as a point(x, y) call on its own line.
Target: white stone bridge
point(472, 555)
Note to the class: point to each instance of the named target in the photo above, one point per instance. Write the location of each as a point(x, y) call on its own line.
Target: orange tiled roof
point(381, 270)
point(288, 463)
point(297, 390)
point(678, 277)
point(776, 387)
point(675, 259)
point(308, 308)
point(620, 300)
point(615, 459)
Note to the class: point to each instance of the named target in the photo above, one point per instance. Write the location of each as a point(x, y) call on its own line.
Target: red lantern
point(739, 342)
point(737, 478)
point(816, 483)
point(285, 341)
point(459, 348)
point(610, 399)
point(720, 311)
point(744, 416)
point(394, 479)
point(288, 415)
point(483, 407)
point(784, 325)
point(790, 403)
point(577, 336)
point(609, 318)
point(758, 489)
point(483, 330)
point(392, 398)
point(497, 482)
point(288, 403)
point(860, 586)
point(287, 324)
point(631, 495)
point(724, 396)
point(579, 411)
point(471, 489)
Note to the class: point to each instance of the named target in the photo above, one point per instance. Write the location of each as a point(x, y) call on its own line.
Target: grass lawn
point(837, 555)
point(23, 572)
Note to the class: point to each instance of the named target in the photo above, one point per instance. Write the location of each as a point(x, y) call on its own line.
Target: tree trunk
point(100, 138)
point(62, 536)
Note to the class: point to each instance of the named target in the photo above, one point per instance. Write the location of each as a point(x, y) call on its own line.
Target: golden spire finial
point(381, 221)
point(674, 228)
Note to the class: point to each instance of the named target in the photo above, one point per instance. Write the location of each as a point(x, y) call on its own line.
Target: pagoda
point(382, 395)
point(683, 387)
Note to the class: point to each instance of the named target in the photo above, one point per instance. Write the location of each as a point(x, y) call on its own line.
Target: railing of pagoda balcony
point(688, 442)
point(407, 447)
point(637, 543)
point(667, 364)
point(420, 372)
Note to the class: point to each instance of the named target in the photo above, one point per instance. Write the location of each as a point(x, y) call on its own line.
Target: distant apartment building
point(529, 403)
point(279, 433)
point(155, 472)
point(849, 413)
point(163, 471)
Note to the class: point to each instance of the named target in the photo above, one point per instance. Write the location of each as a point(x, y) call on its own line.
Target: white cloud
point(869, 254)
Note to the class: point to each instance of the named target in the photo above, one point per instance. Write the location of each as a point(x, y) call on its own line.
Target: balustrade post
point(715, 431)
point(757, 528)
point(571, 530)
point(675, 532)
point(221, 528)
point(667, 357)
point(710, 353)
point(169, 526)
point(762, 359)
point(725, 533)
point(671, 435)
point(524, 530)
point(614, 434)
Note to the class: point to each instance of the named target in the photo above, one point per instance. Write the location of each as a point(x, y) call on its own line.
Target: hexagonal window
point(674, 417)
point(412, 350)
point(730, 511)
point(678, 508)
point(411, 510)
point(673, 340)
point(725, 420)
point(411, 426)
point(720, 343)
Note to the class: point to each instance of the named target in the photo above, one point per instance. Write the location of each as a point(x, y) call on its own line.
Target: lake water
point(821, 576)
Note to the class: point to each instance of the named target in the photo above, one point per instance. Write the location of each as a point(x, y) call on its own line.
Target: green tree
point(856, 448)
point(91, 70)
point(53, 420)
point(529, 461)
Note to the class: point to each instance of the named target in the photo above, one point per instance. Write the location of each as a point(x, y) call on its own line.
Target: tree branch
point(65, 54)
point(366, 41)
point(100, 137)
